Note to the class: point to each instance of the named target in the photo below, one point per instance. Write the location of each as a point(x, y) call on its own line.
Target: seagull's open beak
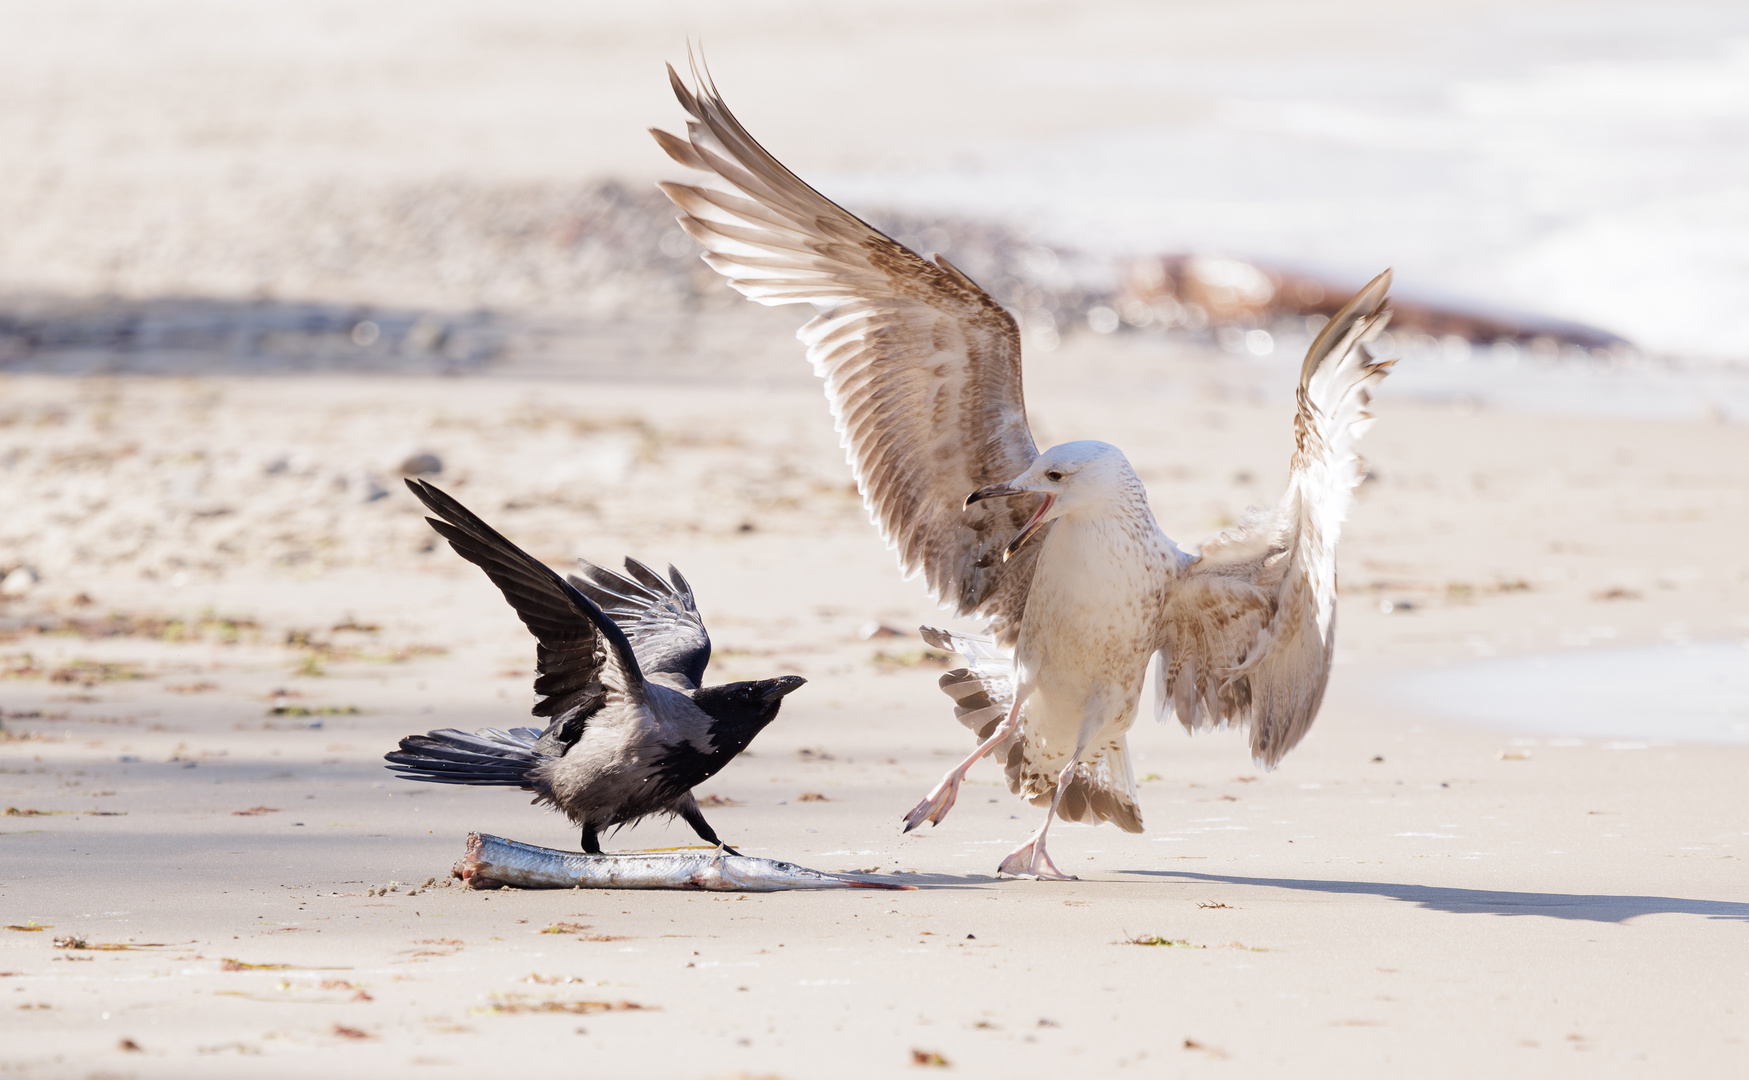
point(1032, 525)
point(1003, 491)
point(994, 491)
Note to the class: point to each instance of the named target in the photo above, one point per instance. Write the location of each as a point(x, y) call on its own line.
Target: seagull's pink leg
point(1030, 859)
point(940, 800)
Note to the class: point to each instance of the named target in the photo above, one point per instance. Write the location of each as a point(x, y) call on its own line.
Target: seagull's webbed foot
point(939, 801)
point(936, 804)
point(1031, 860)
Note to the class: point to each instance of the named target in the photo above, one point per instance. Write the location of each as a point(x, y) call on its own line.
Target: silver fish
point(492, 860)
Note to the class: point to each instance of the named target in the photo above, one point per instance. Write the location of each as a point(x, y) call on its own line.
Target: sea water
point(1671, 693)
point(1585, 163)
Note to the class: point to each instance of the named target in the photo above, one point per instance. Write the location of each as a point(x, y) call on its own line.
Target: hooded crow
point(619, 666)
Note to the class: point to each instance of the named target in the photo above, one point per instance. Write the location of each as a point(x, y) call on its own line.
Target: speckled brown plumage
point(922, 374)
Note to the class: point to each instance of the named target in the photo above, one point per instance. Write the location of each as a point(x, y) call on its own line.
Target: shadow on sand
point(1594, 908)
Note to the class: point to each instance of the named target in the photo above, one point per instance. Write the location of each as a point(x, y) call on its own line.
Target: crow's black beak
point(779, 688)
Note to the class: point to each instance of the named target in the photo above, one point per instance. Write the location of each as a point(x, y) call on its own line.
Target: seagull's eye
point(1054, 476)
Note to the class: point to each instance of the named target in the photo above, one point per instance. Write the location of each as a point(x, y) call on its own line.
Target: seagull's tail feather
point(1103, 789)
point(983, 690)
point(491, 757)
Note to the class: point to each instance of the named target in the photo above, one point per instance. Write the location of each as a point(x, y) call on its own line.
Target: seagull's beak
point(994, 491)
point(1033, 525)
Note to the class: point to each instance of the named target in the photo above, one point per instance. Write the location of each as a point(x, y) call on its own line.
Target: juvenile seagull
point(620, 661)
point(1058, 551)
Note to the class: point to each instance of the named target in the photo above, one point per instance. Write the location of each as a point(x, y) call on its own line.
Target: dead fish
point(492, 860)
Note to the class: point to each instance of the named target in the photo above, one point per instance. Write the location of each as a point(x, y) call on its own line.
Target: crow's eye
point(1054, 476)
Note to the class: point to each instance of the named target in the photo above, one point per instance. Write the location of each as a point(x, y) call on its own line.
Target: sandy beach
point(1404, 893)
point(232, 315)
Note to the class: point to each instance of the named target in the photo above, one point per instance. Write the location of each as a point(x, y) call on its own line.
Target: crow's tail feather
point(491, 757)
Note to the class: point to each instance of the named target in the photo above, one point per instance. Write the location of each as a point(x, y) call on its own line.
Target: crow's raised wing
point(659, 616)
point(582, 659)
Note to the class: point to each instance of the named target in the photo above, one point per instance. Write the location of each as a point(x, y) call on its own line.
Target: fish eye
point(1053, 476)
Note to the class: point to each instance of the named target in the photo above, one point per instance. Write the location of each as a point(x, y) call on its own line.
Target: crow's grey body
point(619, 664)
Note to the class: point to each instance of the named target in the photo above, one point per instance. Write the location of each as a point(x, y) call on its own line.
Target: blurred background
point(222, 225)
point(178, 170)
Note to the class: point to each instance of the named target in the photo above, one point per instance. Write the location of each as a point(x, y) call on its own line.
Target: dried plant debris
point(71, 941)
point(205, 627)
point(75, 672)
point(719, 800)
point(930, 1059)
point(513, 1004)
point(1156, 941)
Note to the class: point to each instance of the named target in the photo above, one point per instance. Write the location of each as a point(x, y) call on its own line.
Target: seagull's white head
point(1075, 478)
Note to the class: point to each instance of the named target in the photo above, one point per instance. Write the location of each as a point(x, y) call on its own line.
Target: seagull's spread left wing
point(1247, 631)
point(922, 367)
point(660, 618)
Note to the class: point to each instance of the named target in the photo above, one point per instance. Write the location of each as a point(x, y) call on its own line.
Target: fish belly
point(493, 860)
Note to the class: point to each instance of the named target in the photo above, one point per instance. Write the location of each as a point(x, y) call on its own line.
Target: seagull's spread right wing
point(1247, 631)
point(922, 367)
point(583, 659)
point(660, 618)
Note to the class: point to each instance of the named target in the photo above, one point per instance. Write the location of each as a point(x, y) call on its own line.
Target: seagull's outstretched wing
point(660, 617)
point(922, 367)
point(1247, 631)
point(583, 659)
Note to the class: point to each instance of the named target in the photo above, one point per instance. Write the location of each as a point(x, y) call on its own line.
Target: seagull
point(631, 729)
point(1058, 550)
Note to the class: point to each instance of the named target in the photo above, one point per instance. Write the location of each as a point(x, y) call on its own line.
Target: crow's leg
point(692, 815)
point(940, 800)
point(1030, 859)
point(591, 839)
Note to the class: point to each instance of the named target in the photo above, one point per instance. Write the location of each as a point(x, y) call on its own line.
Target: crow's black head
point(744, 707)
point(738, 711)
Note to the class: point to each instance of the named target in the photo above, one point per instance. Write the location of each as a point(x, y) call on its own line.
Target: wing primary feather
point(921, 367)
point(481, 544)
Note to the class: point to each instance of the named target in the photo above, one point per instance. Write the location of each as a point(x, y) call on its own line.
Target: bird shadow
point(1583, 906)
point(934, 881)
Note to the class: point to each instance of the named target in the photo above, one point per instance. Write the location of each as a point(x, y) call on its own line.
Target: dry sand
point(1469, 902)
